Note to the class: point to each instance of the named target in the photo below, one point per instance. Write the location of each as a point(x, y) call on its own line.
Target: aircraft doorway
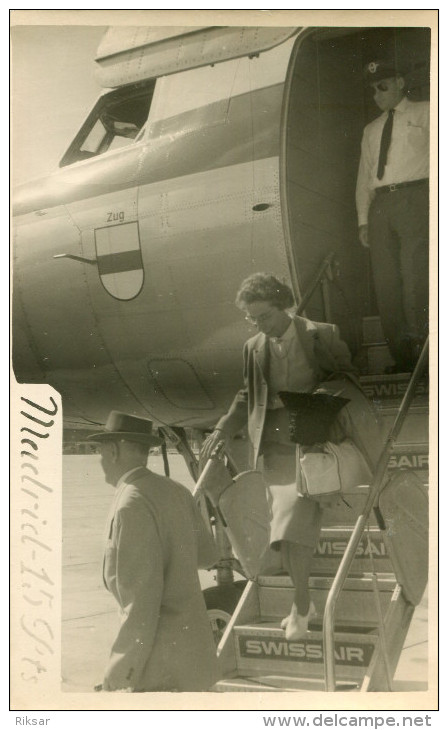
point(326, 109)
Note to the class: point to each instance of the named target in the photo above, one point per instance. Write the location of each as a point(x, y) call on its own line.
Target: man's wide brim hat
point(123, 427)
point(379, 70)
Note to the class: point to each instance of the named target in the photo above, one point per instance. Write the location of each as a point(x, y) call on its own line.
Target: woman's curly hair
point(263, 287)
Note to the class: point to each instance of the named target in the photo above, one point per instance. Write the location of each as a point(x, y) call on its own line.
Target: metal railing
point(323, 276)
point(378, 481)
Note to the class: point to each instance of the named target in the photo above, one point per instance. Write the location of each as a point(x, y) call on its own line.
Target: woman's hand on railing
point(212, 441)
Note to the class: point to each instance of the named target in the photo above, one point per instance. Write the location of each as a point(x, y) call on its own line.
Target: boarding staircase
point(366, 627)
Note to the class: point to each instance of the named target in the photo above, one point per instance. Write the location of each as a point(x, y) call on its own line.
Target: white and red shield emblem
point(119, 258)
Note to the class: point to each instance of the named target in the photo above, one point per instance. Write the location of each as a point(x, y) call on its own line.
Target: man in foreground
point(156, 540)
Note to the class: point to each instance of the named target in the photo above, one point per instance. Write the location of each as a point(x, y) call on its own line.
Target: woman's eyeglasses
point(265, 317)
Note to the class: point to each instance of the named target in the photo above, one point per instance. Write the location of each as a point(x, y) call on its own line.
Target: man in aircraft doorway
point(156, 540)
point(392, 198)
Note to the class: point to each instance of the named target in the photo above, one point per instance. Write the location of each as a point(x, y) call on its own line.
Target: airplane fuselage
point(127, 259)
point(180, 207)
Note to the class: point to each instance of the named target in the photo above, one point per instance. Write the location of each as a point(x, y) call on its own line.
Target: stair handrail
point(315, 281)
point(378, 481)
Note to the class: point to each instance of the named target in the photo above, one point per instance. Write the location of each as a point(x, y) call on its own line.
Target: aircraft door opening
point(327, 108)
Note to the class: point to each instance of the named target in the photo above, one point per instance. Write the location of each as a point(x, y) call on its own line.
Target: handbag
point(331, 469)
point(311, 415)
point(359, 420)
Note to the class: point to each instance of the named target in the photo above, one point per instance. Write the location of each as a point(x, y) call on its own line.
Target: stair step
point(244, 684)
point(269, 625)
point(378, 357)
point(391, 388)
point(411, 456)
point(372, 330)
point(404, 456)
point(276, 602)
point(345, 513)
point(415, 409)
point(278, 683)
point(323, 582)
point(386, 392)
point(262, 647)
point(333, 542)
point(276, 595)
point(255, 653)
point(415, 429)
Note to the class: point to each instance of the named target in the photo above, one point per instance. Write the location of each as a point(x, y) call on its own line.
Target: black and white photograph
point(223, 357)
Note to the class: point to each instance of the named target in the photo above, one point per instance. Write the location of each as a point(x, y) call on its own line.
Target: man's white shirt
point(408, 157)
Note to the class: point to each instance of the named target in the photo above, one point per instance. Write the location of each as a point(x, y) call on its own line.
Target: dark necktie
point(385, 143)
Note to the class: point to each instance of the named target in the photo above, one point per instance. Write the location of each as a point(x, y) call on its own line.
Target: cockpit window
point(118, 119)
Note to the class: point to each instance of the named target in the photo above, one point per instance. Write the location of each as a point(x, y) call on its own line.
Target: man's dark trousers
point(399, 249)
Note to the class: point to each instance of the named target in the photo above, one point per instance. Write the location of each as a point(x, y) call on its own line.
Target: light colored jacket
point(325, 352)
point(157, 541)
